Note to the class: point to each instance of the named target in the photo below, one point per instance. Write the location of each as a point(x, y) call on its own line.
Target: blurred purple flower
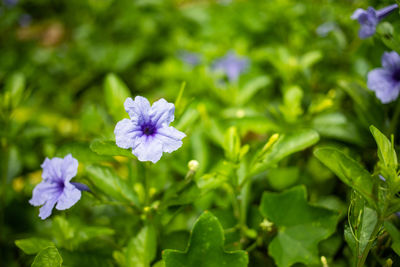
point(190, 58)
point(55, 187)
point(231, 65)
point(25, 20)
point(385, 82)
point(369, 18)
point(10, 3)
point(325, 28)
point(147, 131)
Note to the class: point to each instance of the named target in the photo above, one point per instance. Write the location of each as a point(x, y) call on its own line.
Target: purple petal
point(391, 61)
point(43, 192)
point(69, 197)
point(357, 13)
point(81, 187)
point(381, 81)
point(137, 109)
point(149, 148)
point(69, 167)
point(45, 210)
point(52, 169)
point(170, 138)
point(125, 133)
point(162, 113)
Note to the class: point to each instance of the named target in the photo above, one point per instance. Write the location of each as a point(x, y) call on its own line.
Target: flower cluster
point(385, 81)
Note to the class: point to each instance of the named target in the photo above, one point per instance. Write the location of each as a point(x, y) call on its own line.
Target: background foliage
point(66, 68)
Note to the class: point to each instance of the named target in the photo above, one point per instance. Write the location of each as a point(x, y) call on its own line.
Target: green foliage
point(33, 245)
point(286, 144)
point(105, 179)
point(141, 249)
point(115, 94)
point(109, 148)
point(301, 226)
point(349, 171)
point(48, 257)
point(205, 247)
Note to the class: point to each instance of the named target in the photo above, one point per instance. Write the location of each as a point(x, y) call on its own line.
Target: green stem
point(360, 261)
point(395, 119)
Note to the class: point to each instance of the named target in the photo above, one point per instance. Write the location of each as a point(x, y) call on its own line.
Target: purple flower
point(231, 65)
point(25, 20)
point(55, 187)
point(147, 131)
point(192, 59)
point(10, 3)
point(385, 82)
point(369, 18)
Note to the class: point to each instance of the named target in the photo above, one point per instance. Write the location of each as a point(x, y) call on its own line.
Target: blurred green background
point(307, 68)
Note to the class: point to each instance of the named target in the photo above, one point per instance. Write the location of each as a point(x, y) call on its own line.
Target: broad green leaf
point(349, 171)
point(301, 226)
point(109, 148)
point(337, 126)
point(386, 152)
point(286, 145)
point(48, 257)
point(395, 235)
point(111, 184)
point(141, 249)
point(71, 234)
point(291, 107)
point(368, 109)
point(14, 88)
point(251, 88)
point(282, 178)
point(33, 245)
point(81, 151)
point(115, 94)
point(363, 221)
point(206, 248)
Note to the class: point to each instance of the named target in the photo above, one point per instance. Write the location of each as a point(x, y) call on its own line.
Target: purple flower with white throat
point(231, 65)
point(56, 187)
point(385, 82)
point(147, 131)
point(369, 18)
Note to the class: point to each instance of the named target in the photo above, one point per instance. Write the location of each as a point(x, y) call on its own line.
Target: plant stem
point(360, 261)
point(395, 119)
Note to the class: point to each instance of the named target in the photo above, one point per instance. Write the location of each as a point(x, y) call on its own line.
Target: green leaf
point(33, 245)
point(337, 126)
point(141, 249)
point(286, 145)
point(300, 226)
point(251, 88)
point(349, 171)
point(206, 248)
point(81, 151)
point(14, 88)
point(109, 148)
point(386, 152)
point(232, 144)
point(115, 94)
point(110, 183)
point(363, 223)
point(368, 109)
point(395, 235)
point(70, 234)
point(48, 257)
